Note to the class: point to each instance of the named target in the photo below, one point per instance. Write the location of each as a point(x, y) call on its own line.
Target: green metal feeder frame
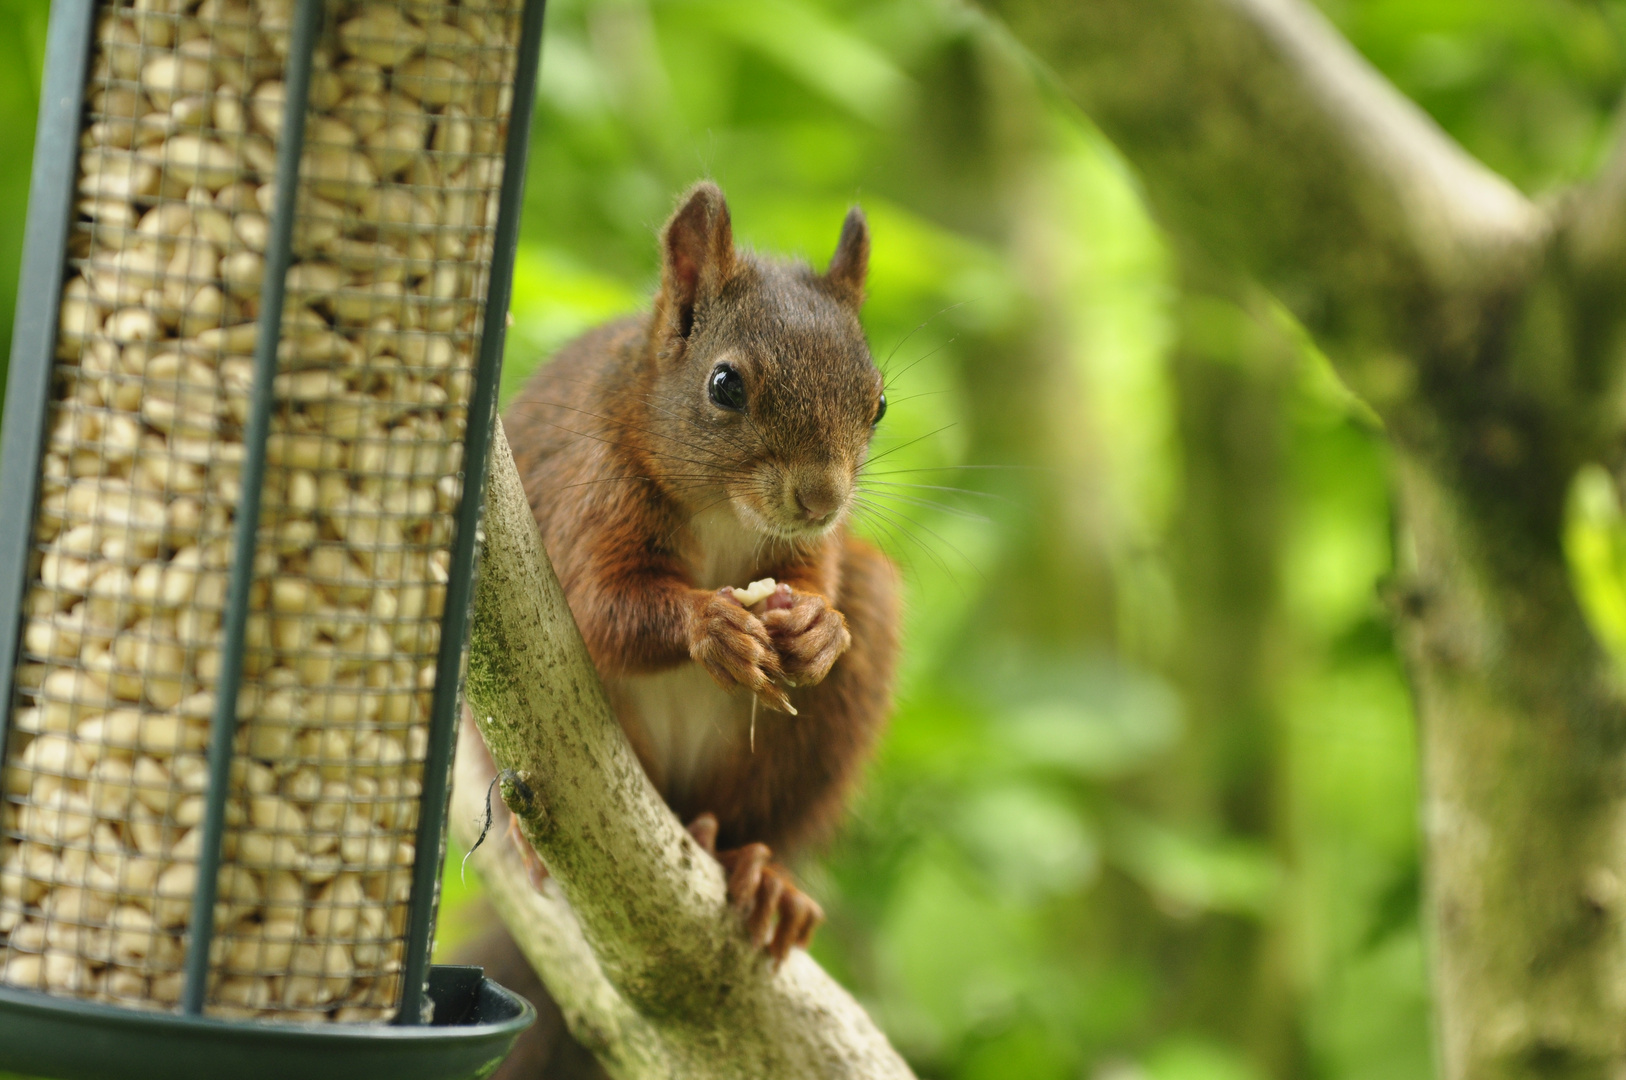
point(476, 1022)
point(267, 268)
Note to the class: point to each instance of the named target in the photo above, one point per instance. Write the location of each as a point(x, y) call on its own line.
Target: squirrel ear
point(697, 248)
point(850, 264)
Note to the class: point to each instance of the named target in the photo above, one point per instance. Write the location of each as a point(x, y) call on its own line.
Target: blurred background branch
point(1489, 352)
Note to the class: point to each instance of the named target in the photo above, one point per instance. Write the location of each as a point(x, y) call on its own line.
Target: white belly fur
point(725, 551)
point(687, 720)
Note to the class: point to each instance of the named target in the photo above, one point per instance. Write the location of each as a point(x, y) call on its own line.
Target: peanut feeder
point(251, 391)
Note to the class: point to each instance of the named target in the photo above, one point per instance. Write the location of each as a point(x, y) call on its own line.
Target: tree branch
point(546, 929)
point(650, 965)
point(1261, 134)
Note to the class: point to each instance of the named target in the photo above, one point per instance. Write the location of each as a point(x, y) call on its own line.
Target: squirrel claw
point(778, 915)
point(799, 916)
point(776, 699)
point(535, 868)
point(704, 831)
point(734, 647)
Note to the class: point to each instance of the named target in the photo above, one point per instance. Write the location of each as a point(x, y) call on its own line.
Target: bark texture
point(632, 934)
point(1484, 330)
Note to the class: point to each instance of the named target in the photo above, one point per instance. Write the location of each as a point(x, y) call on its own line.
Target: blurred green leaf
point(1195, 873)
point(1093, 743)
point(459, 903)
point(1595, 544)
point(822, 52)
point(555, 300)
point(1028, 842)
point(1196, 1059)
point(952, 951)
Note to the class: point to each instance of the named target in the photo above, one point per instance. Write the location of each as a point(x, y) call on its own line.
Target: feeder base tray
point(476, 1021)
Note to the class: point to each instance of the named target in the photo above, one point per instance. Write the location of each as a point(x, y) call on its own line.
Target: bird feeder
point(252, 386)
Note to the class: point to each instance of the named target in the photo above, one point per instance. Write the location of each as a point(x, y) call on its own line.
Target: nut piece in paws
point(758, 591)
point(778, 916)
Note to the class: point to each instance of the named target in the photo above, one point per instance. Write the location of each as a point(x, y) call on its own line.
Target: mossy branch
point(633, 935)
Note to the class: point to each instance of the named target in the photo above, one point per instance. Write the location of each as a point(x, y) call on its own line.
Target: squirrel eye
point(727, 389)
point(880, 411)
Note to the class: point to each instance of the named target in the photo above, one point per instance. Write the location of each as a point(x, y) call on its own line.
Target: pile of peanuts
point(105, 772)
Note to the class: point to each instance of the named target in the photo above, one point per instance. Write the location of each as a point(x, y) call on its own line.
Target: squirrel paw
point(535, 869)
point(778, 915)
point(734, 646)
point(807, 633)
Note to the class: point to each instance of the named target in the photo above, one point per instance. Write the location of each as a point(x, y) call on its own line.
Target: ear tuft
point(697, 251)
point(850, 264)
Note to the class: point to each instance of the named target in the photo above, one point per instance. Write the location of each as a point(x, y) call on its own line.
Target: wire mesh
point(105, 771)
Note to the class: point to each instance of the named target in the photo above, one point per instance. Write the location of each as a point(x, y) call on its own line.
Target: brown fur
point(629, 466)
point(626, 460)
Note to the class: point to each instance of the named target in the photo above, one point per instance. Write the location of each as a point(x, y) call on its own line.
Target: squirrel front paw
point(734, 646)
point(778, 915)
point(807, 634)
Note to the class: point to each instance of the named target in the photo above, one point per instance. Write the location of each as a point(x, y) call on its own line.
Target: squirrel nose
point(817, 501)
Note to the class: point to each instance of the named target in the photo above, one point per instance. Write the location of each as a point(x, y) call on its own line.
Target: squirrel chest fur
point(714, 442)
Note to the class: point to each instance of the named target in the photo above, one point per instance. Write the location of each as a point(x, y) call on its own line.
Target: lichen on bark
point(632, 932)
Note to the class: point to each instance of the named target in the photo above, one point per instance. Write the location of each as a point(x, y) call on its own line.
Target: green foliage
point(1032, 846)
point(1595, 543)
point(963, 894)
point(22, 49)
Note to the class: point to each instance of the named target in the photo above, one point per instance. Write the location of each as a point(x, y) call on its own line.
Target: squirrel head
point(764, 387)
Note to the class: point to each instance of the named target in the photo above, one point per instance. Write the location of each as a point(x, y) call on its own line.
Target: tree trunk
point(1522, 758)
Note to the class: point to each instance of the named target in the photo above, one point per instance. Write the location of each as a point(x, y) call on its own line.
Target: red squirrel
point(713, 442)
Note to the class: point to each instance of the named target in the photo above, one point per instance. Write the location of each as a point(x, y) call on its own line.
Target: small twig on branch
point(485, 827)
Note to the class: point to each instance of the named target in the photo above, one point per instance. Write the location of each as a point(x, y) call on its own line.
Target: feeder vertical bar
point(51, 195)
point(307, 24)
point(445, 711)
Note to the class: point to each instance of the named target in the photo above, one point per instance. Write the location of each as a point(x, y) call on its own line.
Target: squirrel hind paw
point(535, 868)
point(778, 915)
point(704, 831)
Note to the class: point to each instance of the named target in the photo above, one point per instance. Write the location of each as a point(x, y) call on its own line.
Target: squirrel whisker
point(933, 487)
point(933, 504)
point(927, 321)
point(891, 378)
point(905, 522)
point(911, 442)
